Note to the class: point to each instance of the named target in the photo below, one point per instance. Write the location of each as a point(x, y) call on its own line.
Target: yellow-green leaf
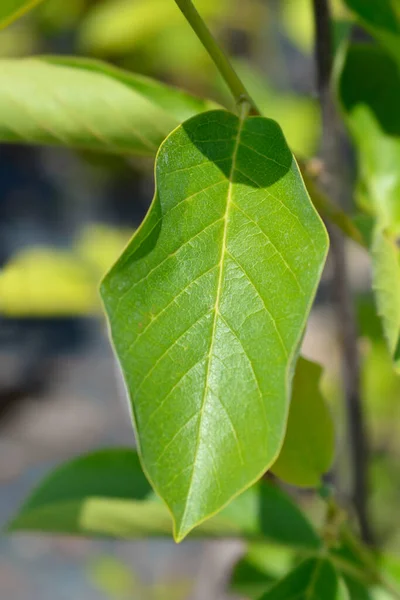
point(87, 104)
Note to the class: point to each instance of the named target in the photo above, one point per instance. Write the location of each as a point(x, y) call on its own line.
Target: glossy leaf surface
point(309, 445)
point(106, 493)
point(41, 102)
point(207, 307)
point(314, 579)
point(10, 10)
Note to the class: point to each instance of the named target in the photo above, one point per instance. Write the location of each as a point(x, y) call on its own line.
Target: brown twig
point(332, 180)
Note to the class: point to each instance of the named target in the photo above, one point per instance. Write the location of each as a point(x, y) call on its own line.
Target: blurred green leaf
point(309, 446)
point(207, 306)
point(314, 579)
point(51, 282)
point(113, 577)
point(100, 245)
point(382, 19)
point(371, 108)
point(10, 10)
point(261, 567)
point(386, 284)
point(42, 102)
point(106, 493)
point(118, 26)
point(47, 282)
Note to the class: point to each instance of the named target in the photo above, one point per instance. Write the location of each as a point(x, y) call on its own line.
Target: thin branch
point(333, 181)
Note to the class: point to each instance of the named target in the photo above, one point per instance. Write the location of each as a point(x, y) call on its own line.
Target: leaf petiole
point(218, 56)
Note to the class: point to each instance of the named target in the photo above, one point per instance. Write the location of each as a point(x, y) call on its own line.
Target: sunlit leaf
point(106, 493)
point(386, 283)
point(309, 445)
point(10, 10)
point(207, 307)
point(41, 102)
point(382, 20)
point(314, 579)
point(372, 115)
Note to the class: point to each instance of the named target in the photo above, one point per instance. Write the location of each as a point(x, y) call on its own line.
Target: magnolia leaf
point(106, 493)
point(308, 449)
point(314, 579)
point(207, 307)
point(10, 10)
point(386, 284)
point(382, 20)
point(41, 102)
point(372, 115)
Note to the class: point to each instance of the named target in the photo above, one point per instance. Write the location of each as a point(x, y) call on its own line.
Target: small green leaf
point(10, 10)
point(372, 115)
point(309, 446)
point(314, 579)
point(386, 284)
point(207, 307)
point(42, 102)
point(106, 493)
point(382, 19)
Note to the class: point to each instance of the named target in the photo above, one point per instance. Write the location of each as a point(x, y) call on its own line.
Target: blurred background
point(64, 218)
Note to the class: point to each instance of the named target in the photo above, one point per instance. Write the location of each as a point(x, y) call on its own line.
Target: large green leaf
point(10, 10)
point(88, 105)
point(207, 306)
point(314, 579)
point(309, 445)
point(386, 284)
point(107, 493)
point(382, 19)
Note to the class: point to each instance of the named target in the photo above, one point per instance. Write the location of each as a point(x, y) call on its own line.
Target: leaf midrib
point(229, 201)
